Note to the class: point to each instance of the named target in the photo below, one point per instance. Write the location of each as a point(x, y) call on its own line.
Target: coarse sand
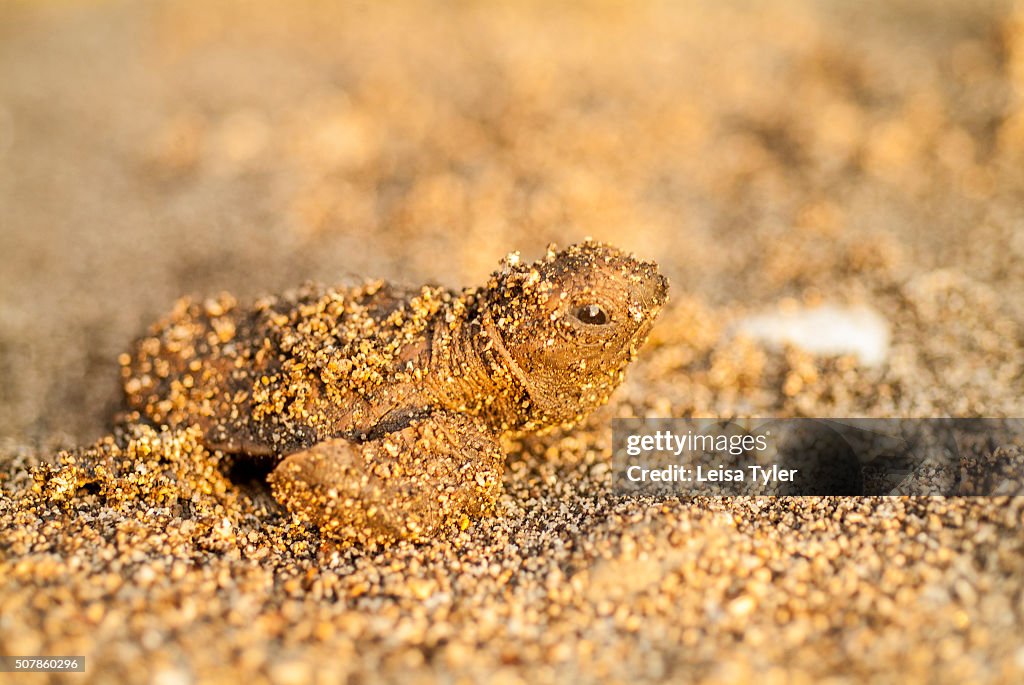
point(782, 155)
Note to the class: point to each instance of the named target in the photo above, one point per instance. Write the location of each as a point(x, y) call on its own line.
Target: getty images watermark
point(818, 456)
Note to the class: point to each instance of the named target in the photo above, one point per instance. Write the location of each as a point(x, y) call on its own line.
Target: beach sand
point(772, 157)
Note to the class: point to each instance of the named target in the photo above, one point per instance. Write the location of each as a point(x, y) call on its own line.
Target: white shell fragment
point(824, 330)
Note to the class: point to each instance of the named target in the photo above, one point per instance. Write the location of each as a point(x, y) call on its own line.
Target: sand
point(794, 156)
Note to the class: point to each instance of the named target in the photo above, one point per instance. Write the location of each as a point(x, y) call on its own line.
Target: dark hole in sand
point(249, 475)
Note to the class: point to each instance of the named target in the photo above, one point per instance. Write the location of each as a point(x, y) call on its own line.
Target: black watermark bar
point(42, 664)
point(807, 456)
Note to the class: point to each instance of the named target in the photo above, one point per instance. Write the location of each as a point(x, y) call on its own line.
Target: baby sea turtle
point(384, 405)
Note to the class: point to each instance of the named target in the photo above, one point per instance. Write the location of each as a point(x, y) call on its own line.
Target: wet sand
point(805, 154)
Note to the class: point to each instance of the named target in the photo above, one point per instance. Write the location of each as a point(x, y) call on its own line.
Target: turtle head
point(570, 323)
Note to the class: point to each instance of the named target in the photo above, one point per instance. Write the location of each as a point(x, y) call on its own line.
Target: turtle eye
point(592, 314)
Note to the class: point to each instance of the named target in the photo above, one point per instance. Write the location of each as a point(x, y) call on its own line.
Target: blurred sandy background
point(148, 150)
point(858, 153)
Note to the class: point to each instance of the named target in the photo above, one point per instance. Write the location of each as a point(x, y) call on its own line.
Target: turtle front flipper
point(432, 476)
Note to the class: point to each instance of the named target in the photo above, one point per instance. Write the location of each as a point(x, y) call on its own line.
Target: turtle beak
point(657, 289)
point(653, 287)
